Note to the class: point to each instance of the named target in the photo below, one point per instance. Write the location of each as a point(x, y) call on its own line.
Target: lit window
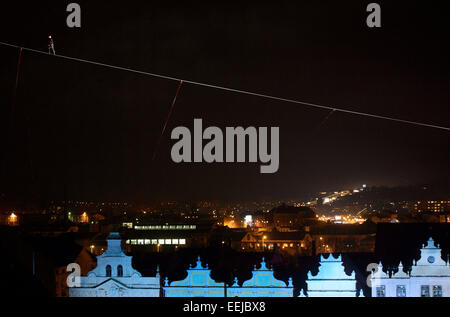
point(154, 241)
point(147, 241)
point(134, 241)
point(381, 291)
point(174, 241)
point(128, 242)
point(401, 291)
point(140, 241)
point(182, 241)
point(425, 291)
point(168, 241)
point(161, 241)
point(437, 291)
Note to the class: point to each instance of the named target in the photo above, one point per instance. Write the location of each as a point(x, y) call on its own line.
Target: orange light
point(13, 220)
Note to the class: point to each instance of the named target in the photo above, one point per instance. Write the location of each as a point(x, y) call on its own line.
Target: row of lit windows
point(433, 202)
point(156, 241)
point(425, 291)
point(284, 245)
point(166, 227)
point(401, 291)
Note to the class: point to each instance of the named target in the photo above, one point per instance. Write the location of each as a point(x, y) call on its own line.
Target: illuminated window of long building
point(401, 291)
point(182, 241)
point(154, 241)
point(381, 291)
point(437, 291)
point(147, 241)
point(174, 241)
point(140, 241)
point(425, 291)
point(161, 241)
point(168, 241)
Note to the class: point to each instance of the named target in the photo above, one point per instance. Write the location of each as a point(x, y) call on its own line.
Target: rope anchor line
point(167, 120)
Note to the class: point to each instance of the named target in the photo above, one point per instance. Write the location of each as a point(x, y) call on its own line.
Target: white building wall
point(430, 270)
point(331, 281)
point(128, 283)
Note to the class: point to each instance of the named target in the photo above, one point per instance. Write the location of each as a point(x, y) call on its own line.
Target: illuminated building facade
point(262, 284)
point(294, 242)
point(429, 277)
point(158, 237)
point(331, 281)
point(114, 276)
point(438, 206)
point(199, 283)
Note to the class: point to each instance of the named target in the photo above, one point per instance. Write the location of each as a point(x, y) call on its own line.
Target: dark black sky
point(90, 132)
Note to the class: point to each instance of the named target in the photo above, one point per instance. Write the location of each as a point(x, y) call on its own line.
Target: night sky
point(86, 132)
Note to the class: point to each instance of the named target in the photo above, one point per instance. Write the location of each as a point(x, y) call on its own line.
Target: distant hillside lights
point(213, 151)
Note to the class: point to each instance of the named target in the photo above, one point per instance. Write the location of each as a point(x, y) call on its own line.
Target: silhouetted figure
point(51, 45)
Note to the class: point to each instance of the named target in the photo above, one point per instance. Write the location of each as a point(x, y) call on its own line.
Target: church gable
point(111, 288)
point(115, 277)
